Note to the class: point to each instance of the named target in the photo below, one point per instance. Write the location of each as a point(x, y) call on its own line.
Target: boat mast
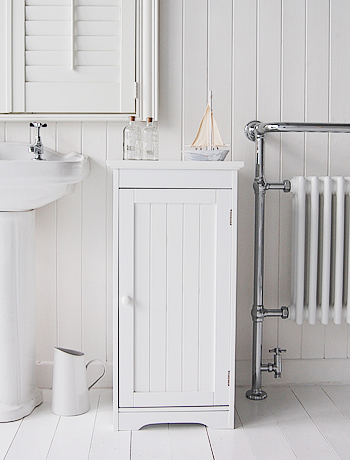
point(210, 102)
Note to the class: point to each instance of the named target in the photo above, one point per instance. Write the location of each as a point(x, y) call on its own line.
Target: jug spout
point(68, 351)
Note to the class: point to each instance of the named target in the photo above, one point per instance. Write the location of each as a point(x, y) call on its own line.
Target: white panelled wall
point(268, 60)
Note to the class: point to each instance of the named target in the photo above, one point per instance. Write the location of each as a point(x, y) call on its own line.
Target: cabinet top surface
point(175, 165)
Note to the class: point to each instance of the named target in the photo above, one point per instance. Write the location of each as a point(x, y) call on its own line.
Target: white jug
point(70, 392)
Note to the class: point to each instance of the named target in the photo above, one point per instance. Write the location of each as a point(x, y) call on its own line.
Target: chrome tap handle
point(277, 350)
point(38, 125)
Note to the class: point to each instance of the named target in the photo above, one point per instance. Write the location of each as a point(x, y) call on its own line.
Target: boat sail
point(208, 144)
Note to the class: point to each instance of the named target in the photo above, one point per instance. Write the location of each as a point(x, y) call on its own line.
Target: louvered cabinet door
point(78, 56)
point(174, 297)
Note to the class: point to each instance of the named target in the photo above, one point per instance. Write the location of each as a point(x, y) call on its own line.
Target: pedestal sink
point(24, 186)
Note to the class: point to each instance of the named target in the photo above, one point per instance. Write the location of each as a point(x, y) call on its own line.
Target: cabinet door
point(69, 56)
point(175, 265)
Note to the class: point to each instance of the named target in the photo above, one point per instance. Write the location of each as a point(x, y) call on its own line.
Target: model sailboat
point(207, 145)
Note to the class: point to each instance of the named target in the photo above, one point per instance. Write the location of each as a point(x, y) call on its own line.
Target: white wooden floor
point(303, 422)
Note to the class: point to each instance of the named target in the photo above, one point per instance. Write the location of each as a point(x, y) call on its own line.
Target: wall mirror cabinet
point(96, 57)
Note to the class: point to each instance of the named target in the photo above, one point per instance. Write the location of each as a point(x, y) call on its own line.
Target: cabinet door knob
point(126, 300)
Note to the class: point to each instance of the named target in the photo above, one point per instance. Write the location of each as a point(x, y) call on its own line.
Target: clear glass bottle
point(149, 141)
point(132, 141)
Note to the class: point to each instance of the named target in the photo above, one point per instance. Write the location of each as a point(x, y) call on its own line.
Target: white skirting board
point(299, 371)
point(305, 371)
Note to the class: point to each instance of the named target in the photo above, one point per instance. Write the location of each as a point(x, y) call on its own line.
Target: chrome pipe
point(259, 236)
point(255, 129)
point(285, 186)
point(259, 165)
point(282, 312)
point(263, 128)
point(259, 186)
point(256, 392)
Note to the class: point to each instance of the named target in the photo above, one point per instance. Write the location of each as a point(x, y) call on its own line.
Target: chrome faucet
point(37, 148)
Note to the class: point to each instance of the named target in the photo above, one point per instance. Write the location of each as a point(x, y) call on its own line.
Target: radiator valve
point(277, 361)
point(276, 366)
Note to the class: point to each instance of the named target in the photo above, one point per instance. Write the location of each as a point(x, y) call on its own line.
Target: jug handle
point(103, 373)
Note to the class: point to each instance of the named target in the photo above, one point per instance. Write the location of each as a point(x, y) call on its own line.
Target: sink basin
point(26, 184)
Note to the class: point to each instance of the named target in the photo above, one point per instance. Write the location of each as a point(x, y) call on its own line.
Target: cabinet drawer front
point(175, 264)
point(172, 179)
point(180, 196)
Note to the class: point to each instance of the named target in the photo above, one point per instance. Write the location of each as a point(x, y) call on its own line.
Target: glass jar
point(149, 141)
point(132, 141)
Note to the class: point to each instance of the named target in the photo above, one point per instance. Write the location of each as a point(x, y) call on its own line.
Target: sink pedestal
point(18, 392)
point(25, 185)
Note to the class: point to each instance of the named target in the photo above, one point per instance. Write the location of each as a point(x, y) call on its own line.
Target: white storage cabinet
point(175, 236)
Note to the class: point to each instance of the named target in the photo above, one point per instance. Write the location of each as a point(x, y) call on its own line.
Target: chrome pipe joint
point(260, 186)
point(259, 312)
point(282, 312)
point(286, 186)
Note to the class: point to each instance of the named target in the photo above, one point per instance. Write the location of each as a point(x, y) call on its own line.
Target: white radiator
point(320, 263)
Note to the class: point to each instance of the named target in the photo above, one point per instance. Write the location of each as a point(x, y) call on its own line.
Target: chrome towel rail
point(255, 128)
point(255, 131)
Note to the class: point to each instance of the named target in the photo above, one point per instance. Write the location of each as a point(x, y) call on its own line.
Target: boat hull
point(196, 154)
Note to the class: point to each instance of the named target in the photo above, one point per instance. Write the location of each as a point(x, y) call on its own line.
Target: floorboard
point(230, 444)
point(298, 422)
point(151, 442)
point(266, 438)
point(35, 434)
point(108, 444)
point(8, 432)
point(189, 441)
point(340, 395)
point(303, 435)
point(74, 434)
point(332, 423)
